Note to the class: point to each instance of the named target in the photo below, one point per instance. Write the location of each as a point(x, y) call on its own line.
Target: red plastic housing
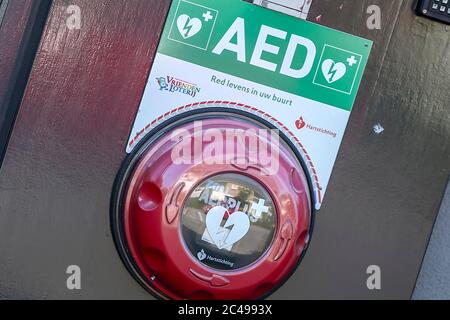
point(152, 208)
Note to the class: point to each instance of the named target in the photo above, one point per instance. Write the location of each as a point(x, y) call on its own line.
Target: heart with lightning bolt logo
point(333, 71)
point(187, 26)
point(236, 227)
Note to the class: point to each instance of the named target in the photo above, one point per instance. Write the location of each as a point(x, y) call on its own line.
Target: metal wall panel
point(77, 112)
point(21, 25)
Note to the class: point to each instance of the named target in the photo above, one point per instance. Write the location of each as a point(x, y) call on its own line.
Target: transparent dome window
point(228, 222)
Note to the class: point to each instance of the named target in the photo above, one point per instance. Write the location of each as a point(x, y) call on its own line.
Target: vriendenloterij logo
point(193, 24)
point(173, 84)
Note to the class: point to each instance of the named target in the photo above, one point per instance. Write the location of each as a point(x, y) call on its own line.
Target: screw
point(425, 11)
point(378, 128)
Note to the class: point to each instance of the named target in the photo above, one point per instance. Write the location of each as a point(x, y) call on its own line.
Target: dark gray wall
point(84, 91)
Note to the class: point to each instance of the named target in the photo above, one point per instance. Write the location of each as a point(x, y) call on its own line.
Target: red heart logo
point(300, 123)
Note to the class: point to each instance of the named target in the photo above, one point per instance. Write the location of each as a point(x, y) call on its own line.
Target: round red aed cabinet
point(212, 205)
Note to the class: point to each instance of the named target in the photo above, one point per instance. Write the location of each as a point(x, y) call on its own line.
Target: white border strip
point(296, 8)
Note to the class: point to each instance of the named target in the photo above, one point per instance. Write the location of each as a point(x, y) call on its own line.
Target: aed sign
point(304, 75)
point(258, 44)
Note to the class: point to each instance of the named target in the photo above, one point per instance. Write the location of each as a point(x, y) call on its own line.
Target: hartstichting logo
point(201, 255)
point(301, 124)
point(172, 84)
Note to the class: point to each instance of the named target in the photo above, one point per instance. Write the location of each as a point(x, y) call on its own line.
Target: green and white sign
point(304, 75)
